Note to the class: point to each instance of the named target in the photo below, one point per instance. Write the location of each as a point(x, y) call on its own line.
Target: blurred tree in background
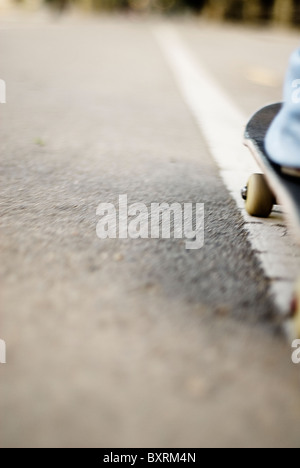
point(278, 11)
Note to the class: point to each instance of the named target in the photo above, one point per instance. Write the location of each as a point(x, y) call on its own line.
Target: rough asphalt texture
point(129, 342)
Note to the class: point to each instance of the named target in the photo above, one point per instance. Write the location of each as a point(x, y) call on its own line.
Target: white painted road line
point(222, 125)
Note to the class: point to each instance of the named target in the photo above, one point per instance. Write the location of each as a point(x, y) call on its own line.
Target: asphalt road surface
point(123, 342)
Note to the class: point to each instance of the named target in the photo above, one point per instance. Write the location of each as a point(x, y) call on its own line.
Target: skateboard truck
point(244, 192)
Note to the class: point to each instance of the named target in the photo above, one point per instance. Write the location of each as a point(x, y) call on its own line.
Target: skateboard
point(273, 187)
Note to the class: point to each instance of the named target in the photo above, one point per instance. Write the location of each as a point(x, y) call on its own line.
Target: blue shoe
point(282, 142)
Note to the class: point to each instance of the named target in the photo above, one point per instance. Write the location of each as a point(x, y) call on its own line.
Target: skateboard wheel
point(259, 197)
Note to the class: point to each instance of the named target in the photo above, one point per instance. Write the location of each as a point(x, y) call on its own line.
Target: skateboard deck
point(286, 188)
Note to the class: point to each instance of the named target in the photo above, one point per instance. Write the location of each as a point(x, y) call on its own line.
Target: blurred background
point(280, 12)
